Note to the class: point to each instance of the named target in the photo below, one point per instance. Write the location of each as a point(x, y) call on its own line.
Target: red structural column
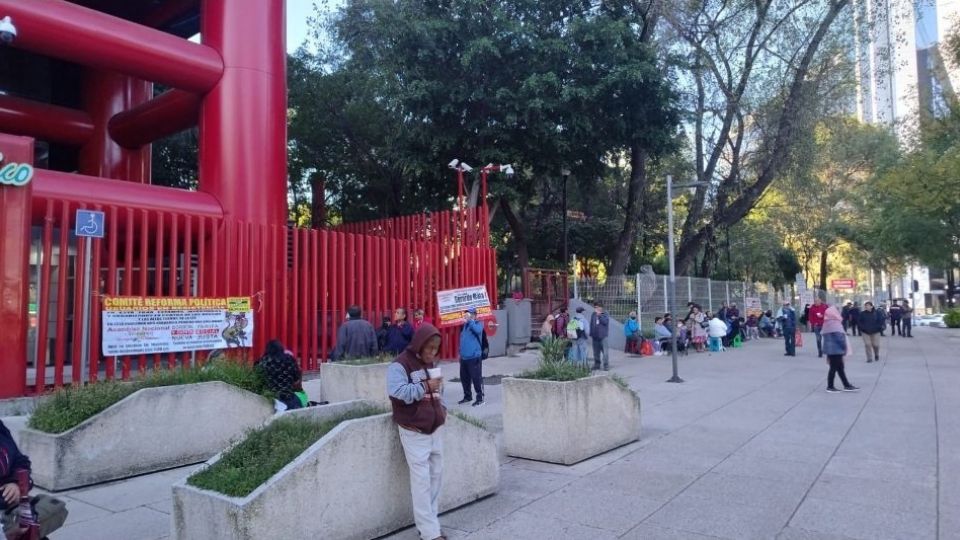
point(243, 153)
point(105, 94)
point(14, 270)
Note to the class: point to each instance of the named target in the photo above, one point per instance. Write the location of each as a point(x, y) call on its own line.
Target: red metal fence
point(468, 227)
point(303, 280)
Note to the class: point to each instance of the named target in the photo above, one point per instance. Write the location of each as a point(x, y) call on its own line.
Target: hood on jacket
point(421, 337)
point(832, 314)
point(832, 321)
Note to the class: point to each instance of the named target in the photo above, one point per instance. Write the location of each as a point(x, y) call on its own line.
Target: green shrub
point(366, 361)
point(70, 406)
point(553, 350)
point(469, 419)
point(952, 318)
point(553, 365)
point(263, 452)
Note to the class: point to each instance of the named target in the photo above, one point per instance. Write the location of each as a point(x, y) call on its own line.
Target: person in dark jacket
point(560, 323)
point(399, 333)
point(896, 314)
point(871, 322)
point(415, 388)
point(356, 337)
point(282, 373)
point(788, 323)
point(854, 318)
point(845, 315)
point(599, 330)
point(14, 479)
point(906, 320)
point(471, 361)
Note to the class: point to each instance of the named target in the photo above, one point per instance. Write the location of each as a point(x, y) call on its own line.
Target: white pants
point(424, 455)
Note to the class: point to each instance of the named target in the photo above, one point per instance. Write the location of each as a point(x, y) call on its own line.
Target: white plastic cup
point(435, 373)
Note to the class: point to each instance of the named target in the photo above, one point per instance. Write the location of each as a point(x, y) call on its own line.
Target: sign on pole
point(752, 306)
point(134, 325)
point(842, 284)
point(90, 224)
point(454, 303)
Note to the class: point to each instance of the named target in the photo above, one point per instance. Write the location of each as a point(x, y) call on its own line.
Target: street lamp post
point(672, 292)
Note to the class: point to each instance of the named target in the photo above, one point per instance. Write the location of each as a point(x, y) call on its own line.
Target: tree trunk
point(628, 234)
point(823, 269)
point(519, 237)
point(318, 202)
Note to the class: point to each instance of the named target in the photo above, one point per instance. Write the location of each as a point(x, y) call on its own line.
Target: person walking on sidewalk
point(835, 346)
point(855, 318)
point(415, 389)
point(471, 363)
point(906, 320)
point(599, 330)
point(787, 318)
point(815, 318)
point(896, 315)
point(871, 323)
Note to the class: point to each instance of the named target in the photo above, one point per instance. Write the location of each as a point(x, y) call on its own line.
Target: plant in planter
point(114, 430)
point(952, 318)
point(345, 458)
point(561, 414)
point(357, 378)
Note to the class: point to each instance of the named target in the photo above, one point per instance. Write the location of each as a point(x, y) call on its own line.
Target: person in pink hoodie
point(835, 346)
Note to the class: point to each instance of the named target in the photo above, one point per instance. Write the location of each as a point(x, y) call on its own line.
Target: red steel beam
point(71, 32)
point(44, 121)
point(89, 191)
point(169, 113)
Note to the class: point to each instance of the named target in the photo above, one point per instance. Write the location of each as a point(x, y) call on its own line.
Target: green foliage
point(70, 406)
point(367, 361)
point(263, 452)
point(557, 371)
point(621, 382)
point(553, 350)
point(952, 318)
point(469, 419)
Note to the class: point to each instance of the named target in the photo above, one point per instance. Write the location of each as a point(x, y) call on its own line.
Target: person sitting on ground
point(716, 329)
point(282, 373)
point(36, 519)
point(631, 329)
point(356, 337)
point(766, 324)
point(753, 327)
point(661, 334)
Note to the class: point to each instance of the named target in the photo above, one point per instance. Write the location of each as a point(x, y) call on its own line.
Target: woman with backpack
point(577, 334)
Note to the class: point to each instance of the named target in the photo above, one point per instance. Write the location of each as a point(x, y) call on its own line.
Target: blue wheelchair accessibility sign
point(90, 223)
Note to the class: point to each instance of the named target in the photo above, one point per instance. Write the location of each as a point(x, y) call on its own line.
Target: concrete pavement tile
point(793, 533)
point(651, 532)
point(126, 494)
point(885, 471)
point(526, 483)
point(597, 507)
point(861, 521)
point(136, 524)
point(749, 491)
point(584, 467)
point(477, 515)
point(901, 496)
point(626, 479)
point(165, 506)
point(80, 511)
point(722, 518)
point(771, 469)
point(775, 449)
point(525, 525)
point(410, 533)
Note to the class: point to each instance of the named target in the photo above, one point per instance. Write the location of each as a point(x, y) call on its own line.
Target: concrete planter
point(150, 430)
point(351, 484)
point(345, 382)
point(567, 422)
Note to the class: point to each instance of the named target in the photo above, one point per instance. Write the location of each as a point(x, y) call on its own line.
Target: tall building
point(905, 73)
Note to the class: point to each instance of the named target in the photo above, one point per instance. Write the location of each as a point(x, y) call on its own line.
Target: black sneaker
point(851, 389)
point(869, 360)
point(833, 390)
point(478, 402)
point(596, 367)
point(606, 368)
point(877, 359)
point(464, 400)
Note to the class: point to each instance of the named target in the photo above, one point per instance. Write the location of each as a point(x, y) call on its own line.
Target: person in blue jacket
point(631, 329)
point(399, 333)
point(471, 361)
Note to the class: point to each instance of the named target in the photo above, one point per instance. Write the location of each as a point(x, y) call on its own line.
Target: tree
point(758, 69)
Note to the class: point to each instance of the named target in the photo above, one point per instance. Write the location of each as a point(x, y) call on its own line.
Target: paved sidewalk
point(751, 446)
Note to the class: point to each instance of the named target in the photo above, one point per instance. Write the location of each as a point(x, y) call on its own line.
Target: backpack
point(573, 329)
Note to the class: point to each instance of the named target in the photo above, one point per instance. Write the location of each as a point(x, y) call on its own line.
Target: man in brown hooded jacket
point(414, 387)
